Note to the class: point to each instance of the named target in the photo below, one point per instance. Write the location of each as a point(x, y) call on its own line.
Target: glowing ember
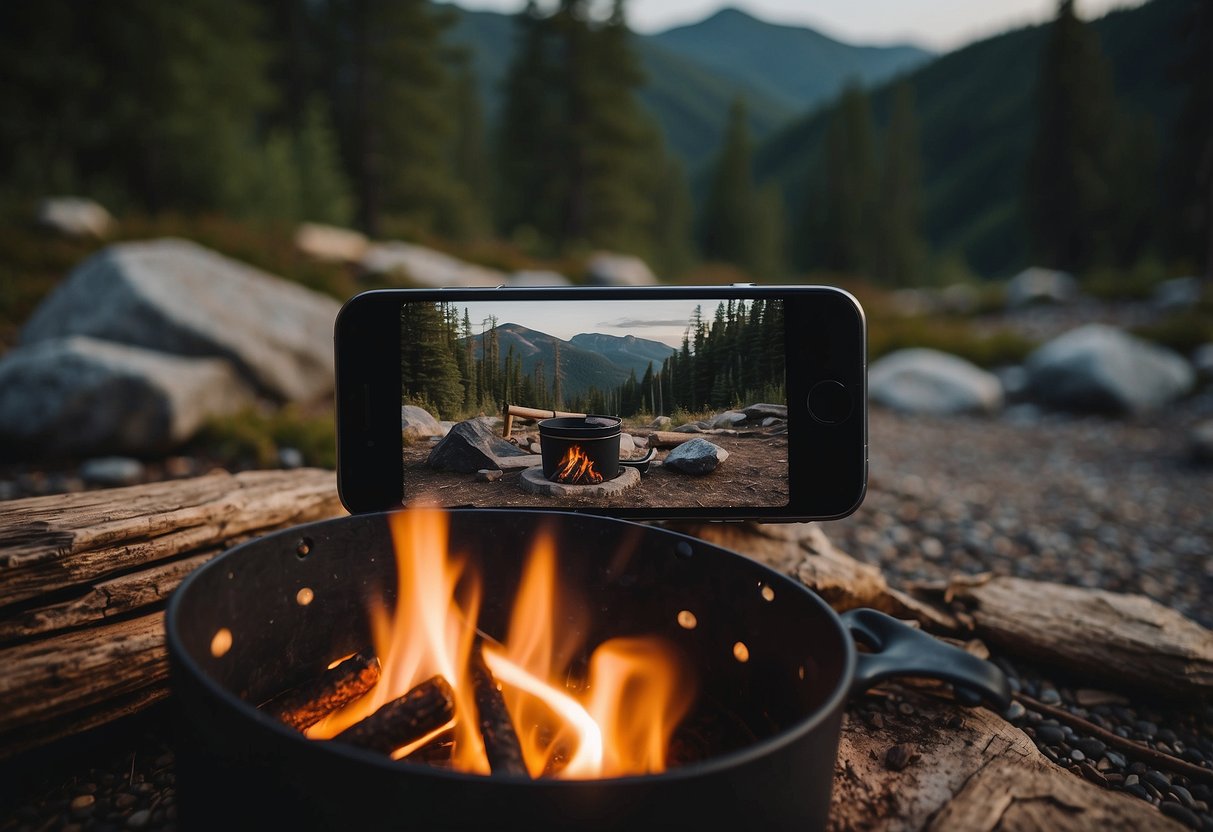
point(614, 718)
point(576, 468)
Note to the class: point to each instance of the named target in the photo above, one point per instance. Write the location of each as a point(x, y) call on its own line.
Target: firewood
point(404, 720)
point(303, 706)
point(501, 744)
point(1128, 640)
point(964, 769)
point(668, 439)
point(49, 543)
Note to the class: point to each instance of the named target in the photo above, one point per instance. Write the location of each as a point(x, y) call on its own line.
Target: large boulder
point(417, 423)
point(1037, 285)
point(929, 381)
point(78, 396)
point(608, 269)
point(1099, 368)
point(427, 267)
point(174, 296)
point(330, 243)
point(75, 216)
point(473, 445)
point(698, 456)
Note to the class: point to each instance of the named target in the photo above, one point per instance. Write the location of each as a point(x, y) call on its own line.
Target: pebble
point(1092, 747)
point(290, 458)
point(82, 805)
point(140, 819)
point(488, 475)
point(1181, 813)
point(1094, 776)
point(1157, 779)
point(905, 708)
point(109, 471)
point(899, 756)
point(1050, 696)
point(125, 800)
point(1014, 712)
point(1185, 796)
point(1050, 734)
point(1077, 756)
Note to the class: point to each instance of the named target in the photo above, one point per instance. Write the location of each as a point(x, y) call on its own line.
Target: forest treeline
point(732, 359)
point(362, 112)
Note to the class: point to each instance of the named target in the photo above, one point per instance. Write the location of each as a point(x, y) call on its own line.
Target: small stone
point(1157, 779)
point(1092, 747)
point(82, 805)
point(1185, 796)
point(905, 708)
point(1014, 712)
point(1163, 747)
point(125, 800)
point(140, 819)
point(1180, 813)
point(1166, 735)
point(1137, 790)
point(1193, 755)
point(1077, 756)
point(899, 756)
point(1050, 696)
point(1089, 772)
point(488, 475)
point(1049, 734)
point(290, 458)
point(876, 720)
point(1132, 780)
point(1146, 728)
point(535, 448)
point(1116, 759)
point(1089, 698)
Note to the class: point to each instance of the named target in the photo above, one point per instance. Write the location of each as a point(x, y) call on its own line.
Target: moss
point(1182, 331)
point(985, 349)
point(252, 438)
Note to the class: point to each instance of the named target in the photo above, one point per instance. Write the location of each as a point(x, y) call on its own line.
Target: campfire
point(576, 468)
point(437, 690)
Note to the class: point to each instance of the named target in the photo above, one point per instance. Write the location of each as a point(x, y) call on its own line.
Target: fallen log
point(1128, 640)
point(501, 744)
point(84, 578)
point(669, 439)
point(942, 767)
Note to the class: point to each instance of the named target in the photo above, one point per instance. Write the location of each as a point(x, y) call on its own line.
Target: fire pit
point(584, 450)
point(516, 669)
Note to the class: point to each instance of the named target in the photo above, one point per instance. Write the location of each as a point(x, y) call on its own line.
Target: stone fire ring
point(534, 482)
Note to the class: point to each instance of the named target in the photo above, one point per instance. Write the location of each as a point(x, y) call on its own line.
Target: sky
point(656, 320)
point(939, 25)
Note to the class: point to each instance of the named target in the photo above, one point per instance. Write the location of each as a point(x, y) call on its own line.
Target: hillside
point(689, 90)
point(581, 368)
point(976, 123)
point(626, 351)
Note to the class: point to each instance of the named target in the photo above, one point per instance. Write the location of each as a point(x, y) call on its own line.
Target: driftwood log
point(84, 578)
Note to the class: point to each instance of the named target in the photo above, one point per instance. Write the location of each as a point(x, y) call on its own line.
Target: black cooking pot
point(768, 726)
point(598, 438)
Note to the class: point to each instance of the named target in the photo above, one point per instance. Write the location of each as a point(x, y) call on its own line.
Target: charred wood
point(422, 710)
point(501, 744)
point(304, 706)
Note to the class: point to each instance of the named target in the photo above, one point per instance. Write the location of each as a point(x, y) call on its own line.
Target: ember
point(576, 468)
point(523, 704)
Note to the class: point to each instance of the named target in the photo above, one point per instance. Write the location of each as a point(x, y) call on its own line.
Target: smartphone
point(667, 402)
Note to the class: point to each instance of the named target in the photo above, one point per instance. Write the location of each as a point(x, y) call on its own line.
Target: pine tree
point(673, 221)
point(851, 181)
point(899, 249)
point(727, 225)
point(1068, 195)
point(471, 163)
point(428, 370)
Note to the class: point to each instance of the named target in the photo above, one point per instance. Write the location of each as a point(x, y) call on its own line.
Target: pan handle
point(899, 650)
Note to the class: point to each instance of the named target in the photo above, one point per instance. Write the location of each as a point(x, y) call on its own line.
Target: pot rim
point(574, 428)
point(717, 763)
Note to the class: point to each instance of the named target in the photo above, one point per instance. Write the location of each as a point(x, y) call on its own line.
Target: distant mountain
point(795, 66)
point(626, 351)
point(976, 122)
point(694, 72)
point(581, 368)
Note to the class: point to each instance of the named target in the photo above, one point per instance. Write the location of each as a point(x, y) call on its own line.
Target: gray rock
point(177, 297)
point(1202, 360)
point(537, 277)
point(728, 418)
point(770, 420)
point(472, 445)
point(929, 381)
point(427, 267)
point(290, 458)
point(80, 396)
point(1177, 293)
point(330, 243)
point(698, 456)
point(640, 442)
point(417, 423)
point(1014, 379)
point(609, 269)
point(1200, 440)
point(763, 410)
point(75, 216)
point(1099, 368)
point(627, 445)
point(111, 471)
point(689, 427)
point(1037, 285)
point(661, 423)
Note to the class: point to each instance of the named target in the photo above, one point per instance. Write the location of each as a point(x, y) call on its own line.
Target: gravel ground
point(1117, 504)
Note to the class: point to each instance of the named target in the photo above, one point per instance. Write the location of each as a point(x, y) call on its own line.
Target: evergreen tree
point(471, 163)
point(767, 255)
point(673, 220)
point(428, 370)
point(1068, 196)
point(900, 250)
point(848, 225)
point(324, 191)
point(727, 226)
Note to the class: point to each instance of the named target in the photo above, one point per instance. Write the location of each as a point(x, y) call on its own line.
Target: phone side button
point(830, 402)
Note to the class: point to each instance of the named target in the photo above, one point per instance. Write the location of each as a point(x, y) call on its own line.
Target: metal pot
point(784, 703)
point(598, 439)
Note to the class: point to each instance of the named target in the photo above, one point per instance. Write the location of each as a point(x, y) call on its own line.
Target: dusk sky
point(939, 25)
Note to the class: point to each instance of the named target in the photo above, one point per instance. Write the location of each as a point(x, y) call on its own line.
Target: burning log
point(496, 727)
point(304, 706)
point(404, 720)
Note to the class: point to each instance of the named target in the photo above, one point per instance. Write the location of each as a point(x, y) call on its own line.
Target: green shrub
point(1182, 331)
point(991, 349)
point(252, 438)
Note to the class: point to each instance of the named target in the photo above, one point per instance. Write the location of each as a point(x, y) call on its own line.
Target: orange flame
point(615, 722)
point(577, 468)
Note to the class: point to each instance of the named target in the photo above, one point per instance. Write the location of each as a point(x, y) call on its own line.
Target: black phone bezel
point(827, 322)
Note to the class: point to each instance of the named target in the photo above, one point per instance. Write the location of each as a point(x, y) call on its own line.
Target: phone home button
point(830, 402)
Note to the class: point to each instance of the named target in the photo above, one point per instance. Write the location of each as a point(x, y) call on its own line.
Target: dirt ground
point(755, 474)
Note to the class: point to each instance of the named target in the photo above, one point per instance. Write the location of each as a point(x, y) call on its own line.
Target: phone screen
point(645, 403)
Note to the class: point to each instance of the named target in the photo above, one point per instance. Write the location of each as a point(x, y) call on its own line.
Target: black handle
point(899, 650)
point(642, 463)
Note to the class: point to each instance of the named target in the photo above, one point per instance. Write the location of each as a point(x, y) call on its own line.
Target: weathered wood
point(967, 769)
point(802, 551)
point(303, 706)
point(1127, 640)
point(512, 410)
point(669, 439)
point(63, 726)
point(404, 720)
point(49, 543)
point(103, 600)
point(54, 677)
